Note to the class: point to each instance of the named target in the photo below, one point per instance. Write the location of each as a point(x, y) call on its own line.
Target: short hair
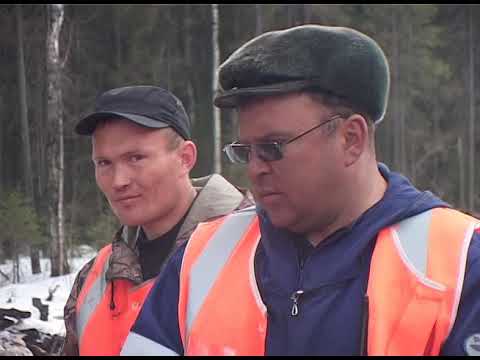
point(342, 107)
point(175, 139)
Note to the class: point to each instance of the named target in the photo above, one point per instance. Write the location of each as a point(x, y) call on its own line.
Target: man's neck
point(158, 229)
point(372, 191)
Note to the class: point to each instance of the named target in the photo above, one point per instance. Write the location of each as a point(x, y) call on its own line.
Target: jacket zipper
point(295, 297)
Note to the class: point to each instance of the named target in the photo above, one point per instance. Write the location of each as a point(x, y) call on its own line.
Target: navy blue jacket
point(334, 279)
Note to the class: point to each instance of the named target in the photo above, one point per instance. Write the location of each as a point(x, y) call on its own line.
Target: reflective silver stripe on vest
point(212, 260)
point(136, 344)
point(411, 236)
point(93, 298)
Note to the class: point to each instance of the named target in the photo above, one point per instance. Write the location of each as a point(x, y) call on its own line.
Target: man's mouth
point(126, 199)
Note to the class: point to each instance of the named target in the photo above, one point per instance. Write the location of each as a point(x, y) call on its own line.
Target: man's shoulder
point(87, 267)
point(474, 250)
point(216, 186)
point(78, 283)
point(85, 270)
point(472, 221)
point(216, 198)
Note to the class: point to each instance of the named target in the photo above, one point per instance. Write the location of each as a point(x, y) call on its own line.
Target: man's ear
point(188, 155)
point(355, 138)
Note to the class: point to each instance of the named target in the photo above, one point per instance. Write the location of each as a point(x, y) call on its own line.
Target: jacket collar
point(216, 197)
point(346, 252)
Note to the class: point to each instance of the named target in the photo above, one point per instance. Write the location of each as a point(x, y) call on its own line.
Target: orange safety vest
point(415, 282)
point(102, 330)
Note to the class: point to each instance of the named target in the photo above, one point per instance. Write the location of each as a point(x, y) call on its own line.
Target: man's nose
point(256, 165)
point(122, 177)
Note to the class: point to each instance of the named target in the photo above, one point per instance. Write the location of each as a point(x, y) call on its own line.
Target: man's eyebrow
point(97, 157)
point(274, 135)
point(133, 151)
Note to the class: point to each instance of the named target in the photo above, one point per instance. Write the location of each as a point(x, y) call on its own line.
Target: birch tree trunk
point(117, 28)
point(405, 102)
point(471, 114)
point(217, 131)
point(16, 267)
point(461, 171)
point(189, 64)
point(41, 140)
point(1, 145)
point(27, 151)
point(258, 19)
point(55, 15)
point(307, 13)
point(22, 95)
point(168, 58)
point(395, 61)
point(290, 14)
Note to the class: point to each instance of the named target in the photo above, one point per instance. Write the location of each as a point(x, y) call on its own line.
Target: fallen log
point(15, 341)
point(15, 313)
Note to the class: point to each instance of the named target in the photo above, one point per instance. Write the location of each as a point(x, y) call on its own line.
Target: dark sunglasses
point(270, 151)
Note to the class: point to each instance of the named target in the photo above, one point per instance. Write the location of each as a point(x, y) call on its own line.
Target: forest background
point(56, 59)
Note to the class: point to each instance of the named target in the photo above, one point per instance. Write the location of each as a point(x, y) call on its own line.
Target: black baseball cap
point(149, 106)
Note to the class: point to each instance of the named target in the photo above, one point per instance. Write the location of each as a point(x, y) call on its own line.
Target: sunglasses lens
point(269, 151)
point(238, 153)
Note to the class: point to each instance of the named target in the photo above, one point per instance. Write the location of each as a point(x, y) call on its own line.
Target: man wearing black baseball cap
point(143, 154)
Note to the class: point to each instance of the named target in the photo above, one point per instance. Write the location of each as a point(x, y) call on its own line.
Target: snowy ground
point(19, 296)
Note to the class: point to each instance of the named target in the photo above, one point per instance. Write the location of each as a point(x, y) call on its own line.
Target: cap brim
point(232, 98)
point(87, 125)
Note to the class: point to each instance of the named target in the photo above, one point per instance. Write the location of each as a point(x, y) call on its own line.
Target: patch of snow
point(20, 295)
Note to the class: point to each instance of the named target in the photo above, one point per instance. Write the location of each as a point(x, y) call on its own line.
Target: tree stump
point(41, 307)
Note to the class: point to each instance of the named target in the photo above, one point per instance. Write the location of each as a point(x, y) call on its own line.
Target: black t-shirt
point(153, 253)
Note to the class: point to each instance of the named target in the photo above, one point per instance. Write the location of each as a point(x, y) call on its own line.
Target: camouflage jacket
point(216, 197)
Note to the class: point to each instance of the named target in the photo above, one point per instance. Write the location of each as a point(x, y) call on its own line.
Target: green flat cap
point(335, 60)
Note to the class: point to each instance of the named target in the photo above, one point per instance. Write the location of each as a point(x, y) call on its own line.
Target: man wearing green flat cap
point(340, 255)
